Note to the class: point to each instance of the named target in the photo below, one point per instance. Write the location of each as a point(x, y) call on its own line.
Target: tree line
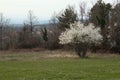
point(31, 35)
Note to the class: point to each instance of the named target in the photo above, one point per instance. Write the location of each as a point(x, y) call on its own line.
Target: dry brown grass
point(33, 55)
point(37, 55)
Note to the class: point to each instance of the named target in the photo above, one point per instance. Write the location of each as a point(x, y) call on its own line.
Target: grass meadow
point(58, 65)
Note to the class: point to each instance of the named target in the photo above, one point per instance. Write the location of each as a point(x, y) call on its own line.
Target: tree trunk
point(81, 50)
point(83, 53)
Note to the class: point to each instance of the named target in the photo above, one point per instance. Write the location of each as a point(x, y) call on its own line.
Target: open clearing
point(61, 66)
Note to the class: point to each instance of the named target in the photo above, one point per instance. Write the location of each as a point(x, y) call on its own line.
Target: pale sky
point(17, 10)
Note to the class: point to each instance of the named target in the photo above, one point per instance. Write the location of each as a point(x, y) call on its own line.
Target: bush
point(81, 36)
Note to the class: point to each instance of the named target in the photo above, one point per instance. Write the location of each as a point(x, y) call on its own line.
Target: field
point(54, 65)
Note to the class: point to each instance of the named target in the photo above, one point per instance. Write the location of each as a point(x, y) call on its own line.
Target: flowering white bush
point(78, 33)
point(82, 36)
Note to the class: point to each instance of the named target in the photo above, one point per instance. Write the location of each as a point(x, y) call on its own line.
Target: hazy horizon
point(17, 10)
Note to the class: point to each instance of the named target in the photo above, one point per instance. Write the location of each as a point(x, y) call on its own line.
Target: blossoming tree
point(81, 36)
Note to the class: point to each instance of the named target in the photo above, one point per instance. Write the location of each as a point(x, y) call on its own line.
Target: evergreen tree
point(66, 18)
point(115, 28)
point(99, 14)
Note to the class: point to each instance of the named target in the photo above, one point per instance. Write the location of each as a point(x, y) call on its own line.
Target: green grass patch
point(93, 68)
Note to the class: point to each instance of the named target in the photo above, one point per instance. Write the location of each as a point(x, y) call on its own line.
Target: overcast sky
point(17, 10)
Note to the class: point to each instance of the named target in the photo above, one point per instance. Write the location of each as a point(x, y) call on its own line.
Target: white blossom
point(115, 24)
point(78, 33)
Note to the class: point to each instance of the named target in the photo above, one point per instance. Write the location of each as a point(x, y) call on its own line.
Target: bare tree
point(3, 23)
point(32, 20)
point(53, 19)
point(27, 34)
point(82, 10)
